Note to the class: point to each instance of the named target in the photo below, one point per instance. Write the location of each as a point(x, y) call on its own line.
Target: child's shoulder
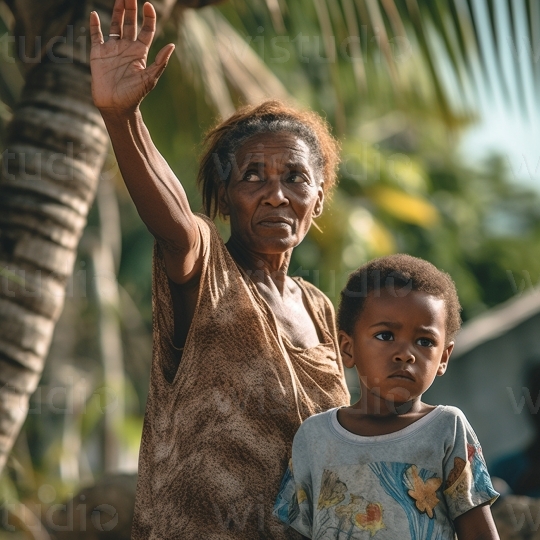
point(449, 411)
point(454, 419)
point(317, 422)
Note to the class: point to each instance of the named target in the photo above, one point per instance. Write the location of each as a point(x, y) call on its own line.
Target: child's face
point(398, 346)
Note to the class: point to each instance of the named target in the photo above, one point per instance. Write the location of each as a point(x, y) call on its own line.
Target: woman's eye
point(384, 336)
point(425, 342)
point(296, 179)
point(252, 177)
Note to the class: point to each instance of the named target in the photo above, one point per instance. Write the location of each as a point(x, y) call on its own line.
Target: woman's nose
point(274, 194)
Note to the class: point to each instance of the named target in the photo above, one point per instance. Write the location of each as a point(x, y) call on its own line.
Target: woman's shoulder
point(206, 226)
point(204, 218)
point(315, 294)
point(214, 247)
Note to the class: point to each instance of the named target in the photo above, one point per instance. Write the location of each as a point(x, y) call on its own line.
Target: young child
point(391, 466)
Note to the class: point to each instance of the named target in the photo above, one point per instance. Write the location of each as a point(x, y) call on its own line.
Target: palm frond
point(354, 43)
point(277, 16)
point(222, 62)
point(198, 54)
point(533, 11)
point(245, 71)
point(377, 22)
point(487, 49)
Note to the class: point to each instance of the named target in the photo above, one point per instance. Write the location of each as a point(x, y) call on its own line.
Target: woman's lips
point(275, 223)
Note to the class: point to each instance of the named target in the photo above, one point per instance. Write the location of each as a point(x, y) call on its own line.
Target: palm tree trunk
point(55, 150)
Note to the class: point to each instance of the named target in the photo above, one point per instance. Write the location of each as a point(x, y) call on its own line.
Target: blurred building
point(486, 374)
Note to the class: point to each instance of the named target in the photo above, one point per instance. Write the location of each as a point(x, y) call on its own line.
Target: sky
point(509, 135)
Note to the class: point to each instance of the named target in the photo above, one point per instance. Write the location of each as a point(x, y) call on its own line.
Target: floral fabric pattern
point(343, 486)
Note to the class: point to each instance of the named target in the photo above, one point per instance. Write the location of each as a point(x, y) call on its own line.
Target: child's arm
point(476, 524)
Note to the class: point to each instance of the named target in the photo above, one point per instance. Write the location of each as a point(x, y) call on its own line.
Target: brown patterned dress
point(216, 441)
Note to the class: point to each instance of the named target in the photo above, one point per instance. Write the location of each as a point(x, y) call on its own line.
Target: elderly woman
point(242, 352)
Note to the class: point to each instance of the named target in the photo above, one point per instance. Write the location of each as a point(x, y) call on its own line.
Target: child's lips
point(403, 374)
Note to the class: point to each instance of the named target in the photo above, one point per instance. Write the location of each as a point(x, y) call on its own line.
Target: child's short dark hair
point(398, 274)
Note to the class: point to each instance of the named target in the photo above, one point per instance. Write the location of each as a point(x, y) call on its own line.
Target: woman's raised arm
point(120, 81)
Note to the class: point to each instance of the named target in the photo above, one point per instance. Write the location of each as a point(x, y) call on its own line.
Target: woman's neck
point(262, 268)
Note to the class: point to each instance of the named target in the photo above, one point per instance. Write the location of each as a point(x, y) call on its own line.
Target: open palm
point(120, 77)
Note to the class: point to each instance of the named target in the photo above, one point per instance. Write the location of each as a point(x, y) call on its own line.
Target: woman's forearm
point(159, 197)
point(120, 81)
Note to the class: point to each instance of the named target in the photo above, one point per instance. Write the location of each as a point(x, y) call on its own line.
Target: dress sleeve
point(293, 505)
point(467, 481)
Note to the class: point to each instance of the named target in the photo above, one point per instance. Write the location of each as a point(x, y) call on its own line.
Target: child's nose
point(404, 355)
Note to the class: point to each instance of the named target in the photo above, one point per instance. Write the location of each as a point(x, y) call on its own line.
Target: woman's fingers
point(130, 20)
point(96, 37)
point(117, 19)
point(162, 59)
point(146, 35)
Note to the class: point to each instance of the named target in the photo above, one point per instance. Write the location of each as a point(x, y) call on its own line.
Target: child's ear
point(346, 348)
point(444, 359)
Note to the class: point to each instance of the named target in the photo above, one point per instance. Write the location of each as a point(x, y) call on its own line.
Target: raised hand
point(120, 77)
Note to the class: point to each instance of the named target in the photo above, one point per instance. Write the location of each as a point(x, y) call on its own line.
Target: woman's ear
point(443, 364)
point(346, 348)
point(223, 200)
point(318, 208)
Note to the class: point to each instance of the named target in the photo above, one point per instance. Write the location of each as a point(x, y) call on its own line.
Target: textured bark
point(38, 25)
point(54, 153)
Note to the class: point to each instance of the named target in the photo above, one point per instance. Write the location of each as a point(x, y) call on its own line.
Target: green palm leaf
point(468, 50)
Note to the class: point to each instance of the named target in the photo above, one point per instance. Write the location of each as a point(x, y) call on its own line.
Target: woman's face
point(273, 194)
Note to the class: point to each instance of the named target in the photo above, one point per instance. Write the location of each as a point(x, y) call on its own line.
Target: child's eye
point(385, 336)
point(425, 342)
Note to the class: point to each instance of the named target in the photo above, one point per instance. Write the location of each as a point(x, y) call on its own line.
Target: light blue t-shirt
point(407, 485)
